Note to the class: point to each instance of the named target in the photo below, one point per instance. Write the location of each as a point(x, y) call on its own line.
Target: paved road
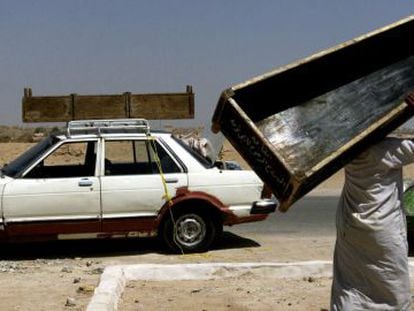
point(311, 216)
point(306, 232)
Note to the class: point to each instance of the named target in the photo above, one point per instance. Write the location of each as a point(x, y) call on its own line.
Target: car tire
point(190, 231)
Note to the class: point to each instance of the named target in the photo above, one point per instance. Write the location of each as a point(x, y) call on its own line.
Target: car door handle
point(171, 180)
point(85, 182)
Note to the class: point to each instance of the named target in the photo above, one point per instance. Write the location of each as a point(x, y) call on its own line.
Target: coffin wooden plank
point(77, 107)
point(99, 107)
point(307, 136)
point(47, 109)
point(162, 106)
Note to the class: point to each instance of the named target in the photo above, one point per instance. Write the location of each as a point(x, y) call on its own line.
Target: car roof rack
point(108, 126)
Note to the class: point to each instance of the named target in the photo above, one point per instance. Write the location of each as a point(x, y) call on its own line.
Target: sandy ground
point(243, 293)
point(46, 284)
point(49, 276)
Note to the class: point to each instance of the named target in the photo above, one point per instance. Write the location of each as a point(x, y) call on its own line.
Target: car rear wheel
point(190, 231)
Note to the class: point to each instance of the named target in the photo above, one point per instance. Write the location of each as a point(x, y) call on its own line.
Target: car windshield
point(17, 166)
point(202, 160)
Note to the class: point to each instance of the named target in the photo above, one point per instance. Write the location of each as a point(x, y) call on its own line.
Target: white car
point(115, 178)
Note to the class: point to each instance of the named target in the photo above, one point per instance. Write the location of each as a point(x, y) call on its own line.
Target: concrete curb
point(208, 271)
point(109, 291)
point(114, 278)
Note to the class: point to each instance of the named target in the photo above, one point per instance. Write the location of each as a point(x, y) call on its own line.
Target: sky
point(60, 47)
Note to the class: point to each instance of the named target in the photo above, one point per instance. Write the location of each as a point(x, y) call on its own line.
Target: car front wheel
point(189, 231)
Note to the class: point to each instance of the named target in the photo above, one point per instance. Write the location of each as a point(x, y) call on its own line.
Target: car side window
point(136, 157)
point(168, 165)
point(75, 159)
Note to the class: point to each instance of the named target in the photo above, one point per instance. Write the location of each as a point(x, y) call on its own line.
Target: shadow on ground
point(230, 240)
point(105, 248)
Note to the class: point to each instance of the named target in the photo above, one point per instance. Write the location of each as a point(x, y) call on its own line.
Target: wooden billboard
point(77, 107)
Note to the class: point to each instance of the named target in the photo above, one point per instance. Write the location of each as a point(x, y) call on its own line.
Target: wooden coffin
point(126, 105)
point(299, 124)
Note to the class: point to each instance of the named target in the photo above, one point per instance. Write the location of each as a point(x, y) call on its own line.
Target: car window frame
point(172, 154)
point(57, 146)
point(161, 144)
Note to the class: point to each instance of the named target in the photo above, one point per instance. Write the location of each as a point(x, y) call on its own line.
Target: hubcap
point(191, 230)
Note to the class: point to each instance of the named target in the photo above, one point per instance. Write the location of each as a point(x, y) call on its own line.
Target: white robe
point(371, 253)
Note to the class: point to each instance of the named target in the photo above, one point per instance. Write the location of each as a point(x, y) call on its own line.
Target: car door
point(58, 194)
point(132, 188)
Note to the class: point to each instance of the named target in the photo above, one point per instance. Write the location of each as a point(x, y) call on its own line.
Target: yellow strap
point(166, 196)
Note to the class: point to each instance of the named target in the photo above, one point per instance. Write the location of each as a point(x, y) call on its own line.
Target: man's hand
point(409, 99)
